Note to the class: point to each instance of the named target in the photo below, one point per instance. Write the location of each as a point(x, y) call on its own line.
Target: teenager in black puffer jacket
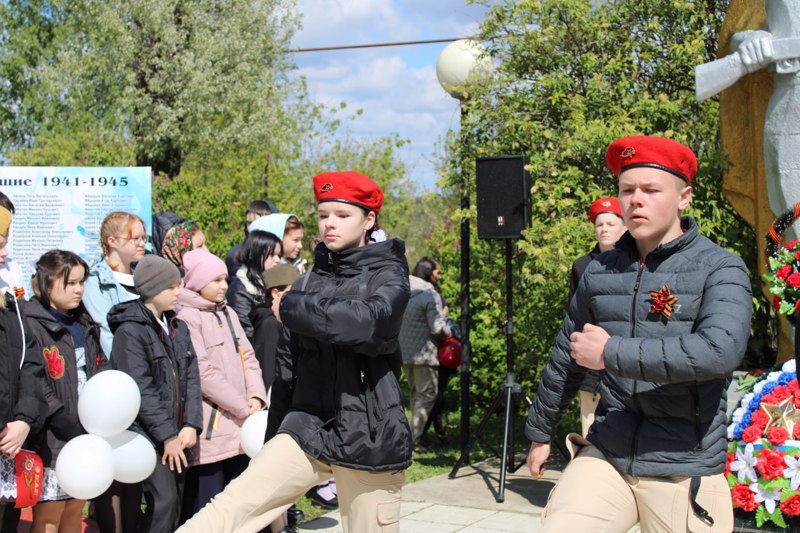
point(68, 342)
point(336, 392)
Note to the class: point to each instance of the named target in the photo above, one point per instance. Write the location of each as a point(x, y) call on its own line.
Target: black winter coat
point(21, 371)
point(339, 359)
point(663, 393)
point(164, 366)
point(54, 344)
point(242, 302)
point(266, 332)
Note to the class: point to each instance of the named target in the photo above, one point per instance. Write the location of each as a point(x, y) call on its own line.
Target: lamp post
point(458, 64)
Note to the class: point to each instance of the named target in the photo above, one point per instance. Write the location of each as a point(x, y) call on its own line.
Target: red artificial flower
point(791, 244)
point(797, 255)
point(776, 302)
point(797, 307)
point(769, 399)
point(791, 507)
point(793, 280)
point(793, 386)
point(770, 463)
point(781, 392)
point(778, 436)
point(743, 497)
point(784, 271)
point(755, 372)
point(752, 434)
point(796, 432)
point(797, 400)
point(759, 419)
point(731, 458)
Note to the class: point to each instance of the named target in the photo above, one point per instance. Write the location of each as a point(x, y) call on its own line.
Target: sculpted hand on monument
point(757, 52)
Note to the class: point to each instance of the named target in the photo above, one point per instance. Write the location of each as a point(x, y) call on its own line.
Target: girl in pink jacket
point(230, 378)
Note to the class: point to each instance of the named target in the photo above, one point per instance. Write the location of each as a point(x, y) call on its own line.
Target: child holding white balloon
point(68, 341)
point(153, 346)
point(230, 378)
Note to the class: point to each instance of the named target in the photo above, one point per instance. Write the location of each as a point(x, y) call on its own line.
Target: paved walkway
point(466, 504)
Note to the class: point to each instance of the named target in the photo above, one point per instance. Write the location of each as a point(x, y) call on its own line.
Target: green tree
point(574, 75)
point(171, 77)
point(198, 90)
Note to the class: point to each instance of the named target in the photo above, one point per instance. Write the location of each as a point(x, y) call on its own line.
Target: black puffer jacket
point(339, 360)
point(164, 366)
point(242, 298)
point(591, 381)
point(54, 345)
point(663, 393)
point(21, 372)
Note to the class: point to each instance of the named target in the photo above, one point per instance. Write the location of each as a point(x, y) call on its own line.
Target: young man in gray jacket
point(665, 318)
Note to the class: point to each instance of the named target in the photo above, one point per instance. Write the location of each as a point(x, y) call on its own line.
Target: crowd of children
point(167, 313)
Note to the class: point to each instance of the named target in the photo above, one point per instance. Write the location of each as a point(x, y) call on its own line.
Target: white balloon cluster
point(88, 464)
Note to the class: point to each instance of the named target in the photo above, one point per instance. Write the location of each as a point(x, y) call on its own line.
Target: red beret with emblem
point(654, 152)
point(348, 187)
point(604, 205)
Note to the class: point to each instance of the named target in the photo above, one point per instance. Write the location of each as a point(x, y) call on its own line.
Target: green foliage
point(171, 77)
point(196, 89)
point(573, 75)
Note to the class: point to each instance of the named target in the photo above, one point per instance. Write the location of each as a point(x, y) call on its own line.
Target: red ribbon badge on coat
point(29, 472)
point(55, 362)
point(663, 300)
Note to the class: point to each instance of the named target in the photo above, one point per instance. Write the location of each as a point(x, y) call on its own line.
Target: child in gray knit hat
point(153, 346)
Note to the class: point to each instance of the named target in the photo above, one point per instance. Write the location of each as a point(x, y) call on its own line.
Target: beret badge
point(628, 152)
point(326, 188)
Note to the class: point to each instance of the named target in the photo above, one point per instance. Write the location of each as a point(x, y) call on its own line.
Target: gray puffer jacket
point(663, 390)
point(423, 324)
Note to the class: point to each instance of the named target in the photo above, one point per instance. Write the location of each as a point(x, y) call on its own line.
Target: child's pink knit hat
point(202, 267)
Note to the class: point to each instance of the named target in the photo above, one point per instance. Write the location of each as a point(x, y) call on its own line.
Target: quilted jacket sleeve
point(351, 321)
point(561, 377)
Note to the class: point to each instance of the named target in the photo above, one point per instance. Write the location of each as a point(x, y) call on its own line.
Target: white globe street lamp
point(459, 65)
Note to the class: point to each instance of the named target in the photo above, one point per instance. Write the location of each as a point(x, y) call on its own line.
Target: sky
point(396, 87)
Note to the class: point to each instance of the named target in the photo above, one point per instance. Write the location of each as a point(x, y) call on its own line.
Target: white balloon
point(85, 467)
point(253, 431)
point(134, 457)
point(109, 403)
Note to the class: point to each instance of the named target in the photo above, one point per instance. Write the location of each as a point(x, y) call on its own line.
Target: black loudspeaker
point(504, 190)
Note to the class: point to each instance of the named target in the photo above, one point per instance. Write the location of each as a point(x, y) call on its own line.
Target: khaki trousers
point(279, 474)
point(423, 384)
point(591, 495)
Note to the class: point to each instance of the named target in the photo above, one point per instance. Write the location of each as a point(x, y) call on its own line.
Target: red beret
point(655, 152)
point(349, 187)
point(604, 205)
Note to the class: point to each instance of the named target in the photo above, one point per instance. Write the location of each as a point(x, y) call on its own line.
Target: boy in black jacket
point(154, 347)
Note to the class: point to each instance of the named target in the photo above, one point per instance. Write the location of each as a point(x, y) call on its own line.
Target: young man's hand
point(13, 437)
point(537, 456)
point(587, 347)
point(188, 437)
point(173, 453)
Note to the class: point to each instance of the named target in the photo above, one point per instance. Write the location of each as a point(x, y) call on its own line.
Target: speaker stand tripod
point(506, 392)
